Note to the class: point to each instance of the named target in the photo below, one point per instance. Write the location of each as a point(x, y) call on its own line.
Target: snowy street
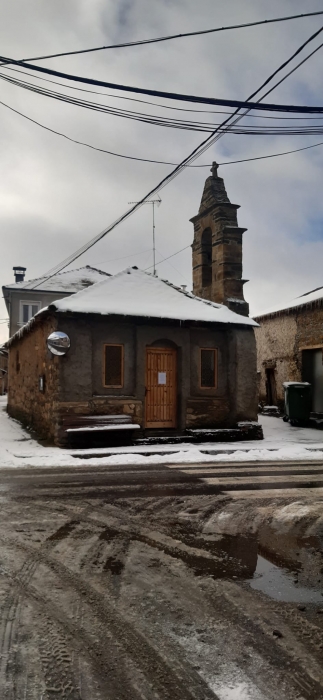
point(281, 442)
point(176, 576)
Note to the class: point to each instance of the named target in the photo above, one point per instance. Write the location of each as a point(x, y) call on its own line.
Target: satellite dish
point(58, 343)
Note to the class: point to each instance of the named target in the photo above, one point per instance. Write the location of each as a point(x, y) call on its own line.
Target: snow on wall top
point(133, 292)
point(70, 282)
point(308, 298)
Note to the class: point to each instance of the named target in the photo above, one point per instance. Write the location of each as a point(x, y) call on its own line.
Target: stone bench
point(106, 430)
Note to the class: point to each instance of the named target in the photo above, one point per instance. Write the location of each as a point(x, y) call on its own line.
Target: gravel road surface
point(114, 585)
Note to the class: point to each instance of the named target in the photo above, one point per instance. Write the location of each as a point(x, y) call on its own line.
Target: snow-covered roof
point(63, 282)
point(310, 298)
point(133, 292)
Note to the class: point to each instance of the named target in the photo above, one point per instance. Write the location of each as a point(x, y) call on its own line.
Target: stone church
point(143, 355)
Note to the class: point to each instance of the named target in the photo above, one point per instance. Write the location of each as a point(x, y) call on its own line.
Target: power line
point(143, 42)
point(153, 104)
point(303, 129)
point(150, 160)
point(124, 257)
point(168, 258)
point(201, 148)
point(236, 104)
point(164, 121)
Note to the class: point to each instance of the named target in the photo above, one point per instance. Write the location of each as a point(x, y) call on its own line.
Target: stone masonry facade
point(281, 340)
point(28, 362)
point(217, 248)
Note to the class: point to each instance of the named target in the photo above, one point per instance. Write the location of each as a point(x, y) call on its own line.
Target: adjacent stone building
point(289, 348)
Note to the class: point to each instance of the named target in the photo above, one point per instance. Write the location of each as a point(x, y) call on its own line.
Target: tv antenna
point(153, 202)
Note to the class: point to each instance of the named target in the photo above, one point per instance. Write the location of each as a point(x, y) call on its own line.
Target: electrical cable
point(201, 148)
point(155, 104)
point(149, 160)
point(124, 257)
point(303, 129)
point(172, 123)
point(176, 36)
point(168, 258)
point(237, 104)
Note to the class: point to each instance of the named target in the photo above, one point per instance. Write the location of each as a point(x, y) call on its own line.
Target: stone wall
point(29, 360)
point(280, 341)
point(276, 350)
point(309, 329)
point(3, 374)
point(246, 389)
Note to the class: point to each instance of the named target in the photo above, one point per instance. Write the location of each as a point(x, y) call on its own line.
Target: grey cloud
point(54, 196)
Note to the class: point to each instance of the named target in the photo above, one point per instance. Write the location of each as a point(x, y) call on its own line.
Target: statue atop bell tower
point(217, 247)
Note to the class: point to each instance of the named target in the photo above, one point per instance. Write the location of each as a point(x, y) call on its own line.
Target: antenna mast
point(153, 202)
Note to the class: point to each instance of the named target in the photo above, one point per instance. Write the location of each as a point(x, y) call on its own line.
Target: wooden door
point(161, 388)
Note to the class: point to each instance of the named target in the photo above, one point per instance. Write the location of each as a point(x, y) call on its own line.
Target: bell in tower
point(217, 248)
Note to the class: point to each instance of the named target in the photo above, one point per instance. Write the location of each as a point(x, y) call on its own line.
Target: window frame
point(209, 388)
point(113, 345)
point(21, 313)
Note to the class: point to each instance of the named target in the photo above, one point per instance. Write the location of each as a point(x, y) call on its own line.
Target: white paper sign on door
point(161, 377)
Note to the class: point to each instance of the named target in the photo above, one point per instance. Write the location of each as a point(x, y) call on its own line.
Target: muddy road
point(121, 583)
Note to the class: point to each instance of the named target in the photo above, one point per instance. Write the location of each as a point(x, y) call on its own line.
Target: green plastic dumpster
point(297, 402)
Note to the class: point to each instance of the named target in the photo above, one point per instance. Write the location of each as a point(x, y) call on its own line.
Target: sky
point(56, 195)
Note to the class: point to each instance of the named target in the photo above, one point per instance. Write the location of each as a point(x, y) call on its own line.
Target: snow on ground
point(18, 449)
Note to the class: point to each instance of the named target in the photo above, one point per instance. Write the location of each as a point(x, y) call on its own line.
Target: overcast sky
point(55, 195)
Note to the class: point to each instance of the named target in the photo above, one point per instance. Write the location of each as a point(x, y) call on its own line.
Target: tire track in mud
point(263, 616)
point(10, 621)
point(10, 617)
point(196, 560)
point(56, 662)
point(175, 680)
point(200, 563)
point(301, 681)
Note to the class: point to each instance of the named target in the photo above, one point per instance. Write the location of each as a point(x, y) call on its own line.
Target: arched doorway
point(161, 386)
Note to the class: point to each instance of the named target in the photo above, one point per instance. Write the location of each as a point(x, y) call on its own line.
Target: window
point(113, 366)
point(208, 368)
point(28, 309)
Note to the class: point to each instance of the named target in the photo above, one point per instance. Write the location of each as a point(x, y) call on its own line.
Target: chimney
point(19, 273)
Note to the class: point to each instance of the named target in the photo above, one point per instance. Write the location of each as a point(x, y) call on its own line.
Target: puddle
point(278, 583)
point(291, 578)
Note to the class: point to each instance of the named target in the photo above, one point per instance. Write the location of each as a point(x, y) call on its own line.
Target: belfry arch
point(206, 257)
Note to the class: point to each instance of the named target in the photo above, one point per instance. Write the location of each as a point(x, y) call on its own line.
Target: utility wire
point(154, 104)
point(185, 124)
point(168, 258)
point(149, 160)
point(175, 36)
point(237, 104)
point(164, 121)
point(201, 148)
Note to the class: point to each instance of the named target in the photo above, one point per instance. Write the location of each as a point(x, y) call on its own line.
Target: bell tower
point(217, 248)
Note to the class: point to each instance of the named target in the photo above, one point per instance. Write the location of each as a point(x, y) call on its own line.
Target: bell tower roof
point(214, 192)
